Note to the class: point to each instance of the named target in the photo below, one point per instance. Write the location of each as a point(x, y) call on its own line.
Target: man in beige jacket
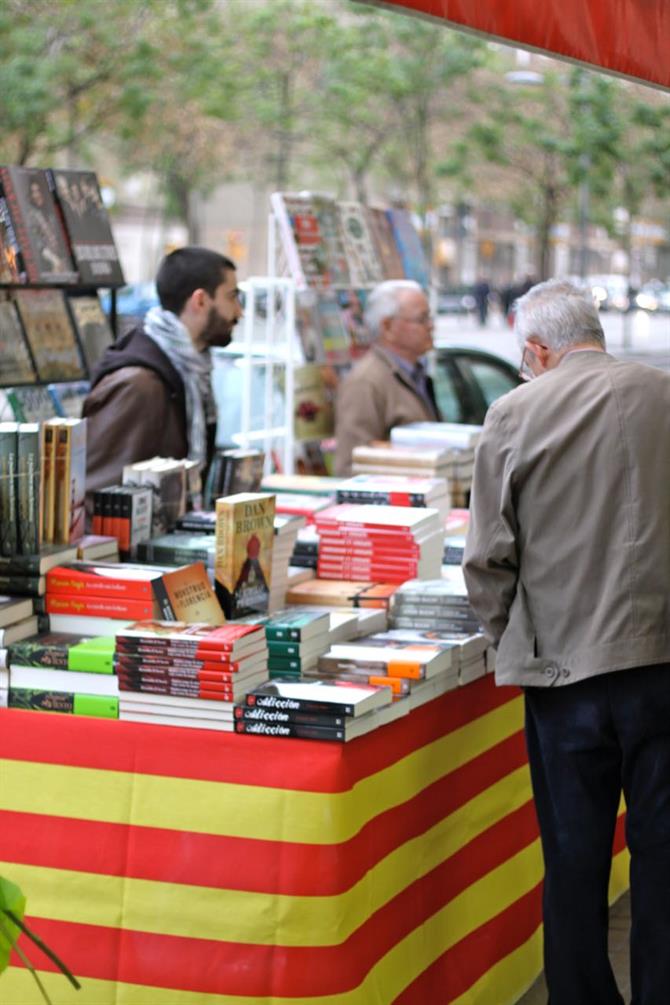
point(567, 564)
point(389, 386)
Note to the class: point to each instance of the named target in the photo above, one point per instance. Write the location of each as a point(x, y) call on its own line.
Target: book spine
point(297, 704)
point(8, 502)
point(34, 654)
point(124, 504)
point(178, 690)
point(283, 649)
point(61, 467)
point(49, 483)
point(71, 580)
point(20, 231)
point(14, 262)
point(141, 516)
point(102, 607)
point(290, 730)
point(36, 699)
point(298, 718)
point(164, 601)
point(28, 488)
point(177, 671)
point(96, 519)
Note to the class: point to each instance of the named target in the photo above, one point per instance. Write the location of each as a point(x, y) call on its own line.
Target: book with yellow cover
point(243, 559)
point(70, 488)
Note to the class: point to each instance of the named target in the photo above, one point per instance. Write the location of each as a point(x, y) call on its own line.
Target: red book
point(181, 691)
point(212, 670)
point(196, 639)
point(194, 681)
point(101, 607)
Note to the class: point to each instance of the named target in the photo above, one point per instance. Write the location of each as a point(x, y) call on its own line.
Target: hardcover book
point(37, 225)
point(16, 365)
point(243, 564)
point(50, 334)
point(92, 327)
point(87, 226)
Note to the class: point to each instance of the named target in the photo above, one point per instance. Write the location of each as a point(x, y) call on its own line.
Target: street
point(638, 335)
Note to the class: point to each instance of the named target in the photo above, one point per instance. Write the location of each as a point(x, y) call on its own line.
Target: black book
point(88, 229)
point(37, 226)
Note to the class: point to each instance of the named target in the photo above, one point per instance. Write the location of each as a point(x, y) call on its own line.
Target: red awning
point(629, 37)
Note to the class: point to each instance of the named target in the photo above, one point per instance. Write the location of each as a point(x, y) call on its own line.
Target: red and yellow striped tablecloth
point(180, 867)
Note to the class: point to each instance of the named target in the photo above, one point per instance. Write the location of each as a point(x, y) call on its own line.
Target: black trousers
point(586, 742)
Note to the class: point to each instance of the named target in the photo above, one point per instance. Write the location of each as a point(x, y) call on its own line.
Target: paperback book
point(243, 563)
point(92, 327)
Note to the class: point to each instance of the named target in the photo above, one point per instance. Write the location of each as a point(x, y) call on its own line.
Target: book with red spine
point(204, 678)
point(184, 691)
point(101, 607)
point(180, 665)
point(195, 638)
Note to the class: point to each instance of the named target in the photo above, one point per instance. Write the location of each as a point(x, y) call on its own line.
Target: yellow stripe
point(262, 918)
point(248, 811)
point(510, 978)
point(398, 968)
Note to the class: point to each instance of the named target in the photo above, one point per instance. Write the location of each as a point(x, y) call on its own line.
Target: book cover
point(296, 625)
point(100, 706)
point(243, 563)
point(70, 481)
point(313, 416)
point(53, 679)
point(409, 247)
point(87, 226)
point(330, 697)
point(361, 254)
point(16, 365)
point(258, 714)
point(101, 607)
point(28, 488)
point(37, 225)
point(12, 269)
point(8, 500)
point(195, 638)
point(50, 335)
point(289, 730)
point(384, 241)
point(92, 327)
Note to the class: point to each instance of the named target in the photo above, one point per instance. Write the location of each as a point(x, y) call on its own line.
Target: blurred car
point(455, 300)
point(610, 292)
point(653, 296)
point(467, 381)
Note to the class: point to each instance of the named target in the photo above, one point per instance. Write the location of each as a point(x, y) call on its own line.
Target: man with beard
point(151, 392)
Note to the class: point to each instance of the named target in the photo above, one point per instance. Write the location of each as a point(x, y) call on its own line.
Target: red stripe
point(461, 966)
point(208, 966)
point(207, 860)
point(189, 753)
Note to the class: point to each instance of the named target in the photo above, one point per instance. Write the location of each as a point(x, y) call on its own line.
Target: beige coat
point(567, 559)
point(375, 396)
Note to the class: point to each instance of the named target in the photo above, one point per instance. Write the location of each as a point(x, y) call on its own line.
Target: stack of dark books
point(334, 710)
point(396, 490)
point(232, 471)
point(296, 637)
point(187, 675)
point(306, 551)
point(388, 543)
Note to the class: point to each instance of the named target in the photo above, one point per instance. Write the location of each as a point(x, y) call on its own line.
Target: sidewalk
point(619, 930)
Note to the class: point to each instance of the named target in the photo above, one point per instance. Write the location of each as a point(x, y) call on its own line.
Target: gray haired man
point(567, 564)
point(389, 386)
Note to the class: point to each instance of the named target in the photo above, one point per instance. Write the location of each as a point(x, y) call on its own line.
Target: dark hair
point(188, 269)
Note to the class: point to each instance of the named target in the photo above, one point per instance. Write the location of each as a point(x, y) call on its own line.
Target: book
point(53, 679)
point(70, 480)
point(296, 625)
point(110, 589)
point(12, 269)
point(68, 397)
point(197, 638)
point(334, 336)
point(17, 631)
point(399, 658)
point(16, 364)
point(92, 327)
point(50, 335)
point(14, 609)
point(364, 265)
point(49, 442)
point(97, 546)
point(37, 225)
point(39, 563)
point(42, 700)
point(30, 403)
point(64, 651)
point(384, 241)
point(243, 562)
point(28, 488)
point(87, 226)
point(323, 730)
point(177, 719)
point(310, 485)
point(447, 435)
point(342, 697)
point(409, 246)
point(341, 593)
point(233, 471)
point(308, 228)
point(167, 479)
point(8, 501)
point(313, 416)
point(82, 624)
point(178, 548)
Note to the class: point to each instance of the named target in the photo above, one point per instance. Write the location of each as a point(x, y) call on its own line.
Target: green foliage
point(11, 899)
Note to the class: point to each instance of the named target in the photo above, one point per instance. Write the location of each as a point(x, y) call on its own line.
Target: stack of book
point(17, 621)
point(61, 672)
point(93, 598)
point(296, 637)
point(341, 593)
point(396, 490)
point(174, 484)
point(187, 675)
point(417, 668)
point(334, 710)
point(232, 471)
point(123, 512)
point(458, 438)
point(310, 485)
point(294, 504)
point(454, 464)
point(439, 604)
point(306, 550)
point(24, 575)
point(286, 529)
point(388, 543)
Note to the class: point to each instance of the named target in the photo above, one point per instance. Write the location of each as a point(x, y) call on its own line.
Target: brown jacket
point(567, 559)
point(135, 410)
point(373, 398)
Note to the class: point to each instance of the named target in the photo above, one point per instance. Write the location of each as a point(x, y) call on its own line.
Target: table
point(182, 867)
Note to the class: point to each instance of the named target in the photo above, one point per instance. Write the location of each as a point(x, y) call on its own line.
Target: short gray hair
point(383, 302)
point(559, 314)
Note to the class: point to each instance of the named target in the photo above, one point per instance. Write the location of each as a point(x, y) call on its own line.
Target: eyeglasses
point(524, 372)
point(423, 319)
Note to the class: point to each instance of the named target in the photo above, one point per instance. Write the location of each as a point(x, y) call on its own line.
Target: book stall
point(251, 749)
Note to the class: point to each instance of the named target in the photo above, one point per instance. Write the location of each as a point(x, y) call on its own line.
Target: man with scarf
point(151, 392)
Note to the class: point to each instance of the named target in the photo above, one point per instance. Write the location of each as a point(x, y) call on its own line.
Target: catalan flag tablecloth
point(179, 867)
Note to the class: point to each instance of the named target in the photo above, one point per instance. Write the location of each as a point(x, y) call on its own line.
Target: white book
point(81, 624)
point(441, 434)
point(223, 725)
point(430, 659)
point(70, 681)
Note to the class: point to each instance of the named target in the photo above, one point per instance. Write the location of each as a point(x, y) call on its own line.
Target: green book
point(290, 664)
point(35, 699)
point(62, 651)
point(296, 625)
point(284, 649)
point(8, 503)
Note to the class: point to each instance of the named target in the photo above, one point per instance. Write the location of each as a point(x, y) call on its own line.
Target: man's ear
point(198, 299)
point(539, 351)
